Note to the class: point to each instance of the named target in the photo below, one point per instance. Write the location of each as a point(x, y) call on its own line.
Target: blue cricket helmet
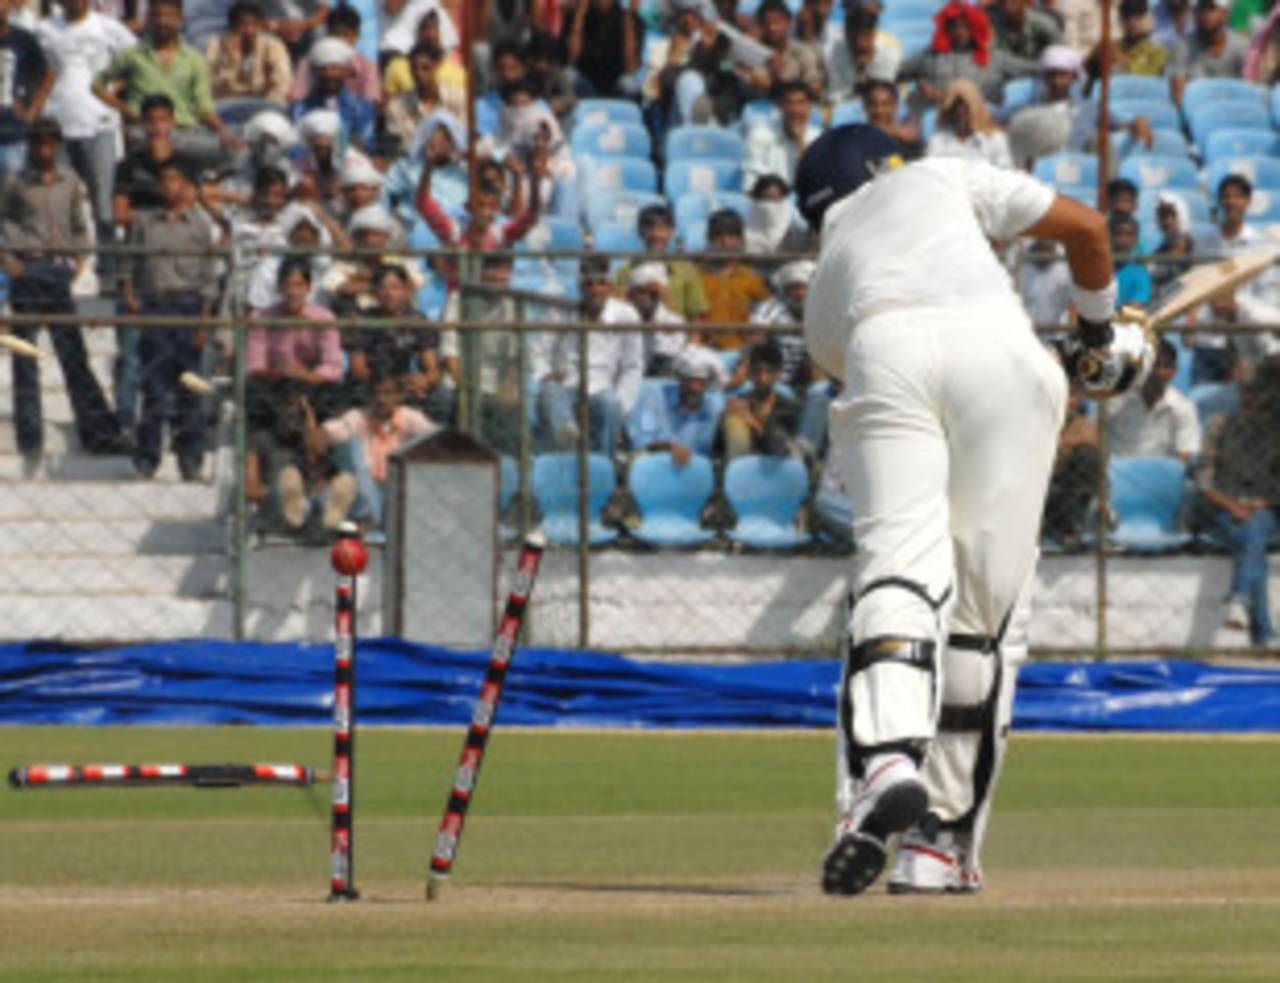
point(838, 163)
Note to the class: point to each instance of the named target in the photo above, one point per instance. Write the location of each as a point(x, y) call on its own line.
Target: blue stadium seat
point(1264, 206)
point(1018, 93)
point(766, 493)
point(1197, 203)
point(597, 112)
point(1160, 114)
point(928, 122)
point(1217, 91)
point(1262, 172)
point(611, 140)
point(616, 237)
point(619, 206)
point(1213, 399)
point(508, 485)
point(896, 11)
point(703, 176)
point(1146, 495)
point(699, 142)
point(670, 499)
point(764, 111)
point(1146, 88)
point(1235, 142)
point(552, 233)
point(1150, 171)
point(1182, 378)
point(1067, 168)
point(848, 111)
point(1086, 194)
point(1275, 103)
point(598, 174)
point(697, 206)
point(1228, 115)
point(555, 489)
point(1165, 142)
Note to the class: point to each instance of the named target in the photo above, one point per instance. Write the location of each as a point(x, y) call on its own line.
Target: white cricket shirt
point(915, 237)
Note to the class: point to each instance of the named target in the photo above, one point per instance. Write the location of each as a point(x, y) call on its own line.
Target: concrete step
point(103, 501)
point(34, 538)
point(101, 360)
point(76, 578)
point(115, 619)
point(81, 467)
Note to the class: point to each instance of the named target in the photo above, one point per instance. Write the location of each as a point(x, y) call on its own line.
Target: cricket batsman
point(947, 428)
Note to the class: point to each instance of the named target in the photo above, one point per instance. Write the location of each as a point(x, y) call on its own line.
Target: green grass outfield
point(619, 856)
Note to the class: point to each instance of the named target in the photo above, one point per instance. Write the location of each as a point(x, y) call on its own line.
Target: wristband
point(1094, 305)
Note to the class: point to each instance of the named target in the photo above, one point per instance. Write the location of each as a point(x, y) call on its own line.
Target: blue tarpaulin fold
point(203, 682)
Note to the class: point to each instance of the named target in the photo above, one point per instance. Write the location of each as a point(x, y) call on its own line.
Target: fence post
point(584, 492)
point(240, 505)
point(1104, 527)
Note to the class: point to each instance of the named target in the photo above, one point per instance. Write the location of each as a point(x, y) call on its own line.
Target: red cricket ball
point(348, 556)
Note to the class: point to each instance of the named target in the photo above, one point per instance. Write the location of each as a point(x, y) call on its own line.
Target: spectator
point(330, 61)
point(880, 104)
point(1235, 194)
point(1155, 419)
point(605, 41)
point(79, 44)
point(1074, 482)
point(254, 232)
point(1133, 282)
point(349, 283)
point(284, 365)
point(862, 57)
point(163, 64)
point(506, 68)
point(295, 21)
point(361, 442)
point(1213, 51)
point(410, 350)
point(246, 61)
point(763, 420)
point(406, 110)
point(450, 75)
point(270, 138)
point(310, 231)
point(789, 60)
point(1262, 64)
point(25, 83)
point(548, 75)
point(542, 156)
point(361, 186)
point(1044, 283)
point(137, 180)
point(684, 293)
point(646, 286)
point(440, 137)
point(732, 287)
point(320, 165)
point(495, 354)
point(1175, 22)
point(614, 369)
point(406, 28)
point(1176, 242)
point(773, 224)
point(171, 276)
point(1137, 53)
point(1022, 30)
point(966, 129)
point(44, 210)
point(1238, 476)
point(359, 76)
point(684, 73)
point(1122, 197)
point(683, 419)
point(1217, 354)
point(962, 48)
point(774, 145)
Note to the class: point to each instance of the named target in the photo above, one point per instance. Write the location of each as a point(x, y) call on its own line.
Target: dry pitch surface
point(634, 857)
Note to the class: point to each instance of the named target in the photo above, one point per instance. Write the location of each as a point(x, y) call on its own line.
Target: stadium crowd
point(659, 127)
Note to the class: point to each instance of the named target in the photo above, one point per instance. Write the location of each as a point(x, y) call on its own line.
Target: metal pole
point(525, 447)
point(584, 494)
point(1104, 107)
point(240, 505)
point(1104, 528)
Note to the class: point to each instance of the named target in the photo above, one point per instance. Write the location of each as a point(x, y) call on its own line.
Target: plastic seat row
point(765, 492)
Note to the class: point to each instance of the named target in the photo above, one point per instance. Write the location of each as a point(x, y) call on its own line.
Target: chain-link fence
point(190, 493)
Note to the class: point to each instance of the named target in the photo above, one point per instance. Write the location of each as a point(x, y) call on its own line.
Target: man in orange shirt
point(732, 287)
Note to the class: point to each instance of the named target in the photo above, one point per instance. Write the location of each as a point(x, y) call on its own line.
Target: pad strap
point(919, 653)
point(907, 585)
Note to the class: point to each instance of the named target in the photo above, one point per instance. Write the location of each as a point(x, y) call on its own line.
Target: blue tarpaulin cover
point(202, 682)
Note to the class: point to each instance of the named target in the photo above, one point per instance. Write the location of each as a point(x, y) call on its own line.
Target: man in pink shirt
point(287, 366)
point(361, 442)
point(343, 23)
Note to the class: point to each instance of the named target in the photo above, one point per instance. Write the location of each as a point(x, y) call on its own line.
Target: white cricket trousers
point(947, 430)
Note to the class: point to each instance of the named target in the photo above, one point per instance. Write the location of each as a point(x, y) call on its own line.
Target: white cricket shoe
point(933, 865)
point(889, 800)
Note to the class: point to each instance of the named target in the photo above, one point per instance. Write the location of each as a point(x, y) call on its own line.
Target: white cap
point(373, 218)
point(330, 51)
point(270, 123)
point(697, 362)
point(644, 274)
point(320, 123)
point(797, 271)
point(358, 170)
point(1061, 58)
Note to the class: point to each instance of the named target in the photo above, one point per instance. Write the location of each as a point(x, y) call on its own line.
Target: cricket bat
point(1200, 283)
point(20, 348)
